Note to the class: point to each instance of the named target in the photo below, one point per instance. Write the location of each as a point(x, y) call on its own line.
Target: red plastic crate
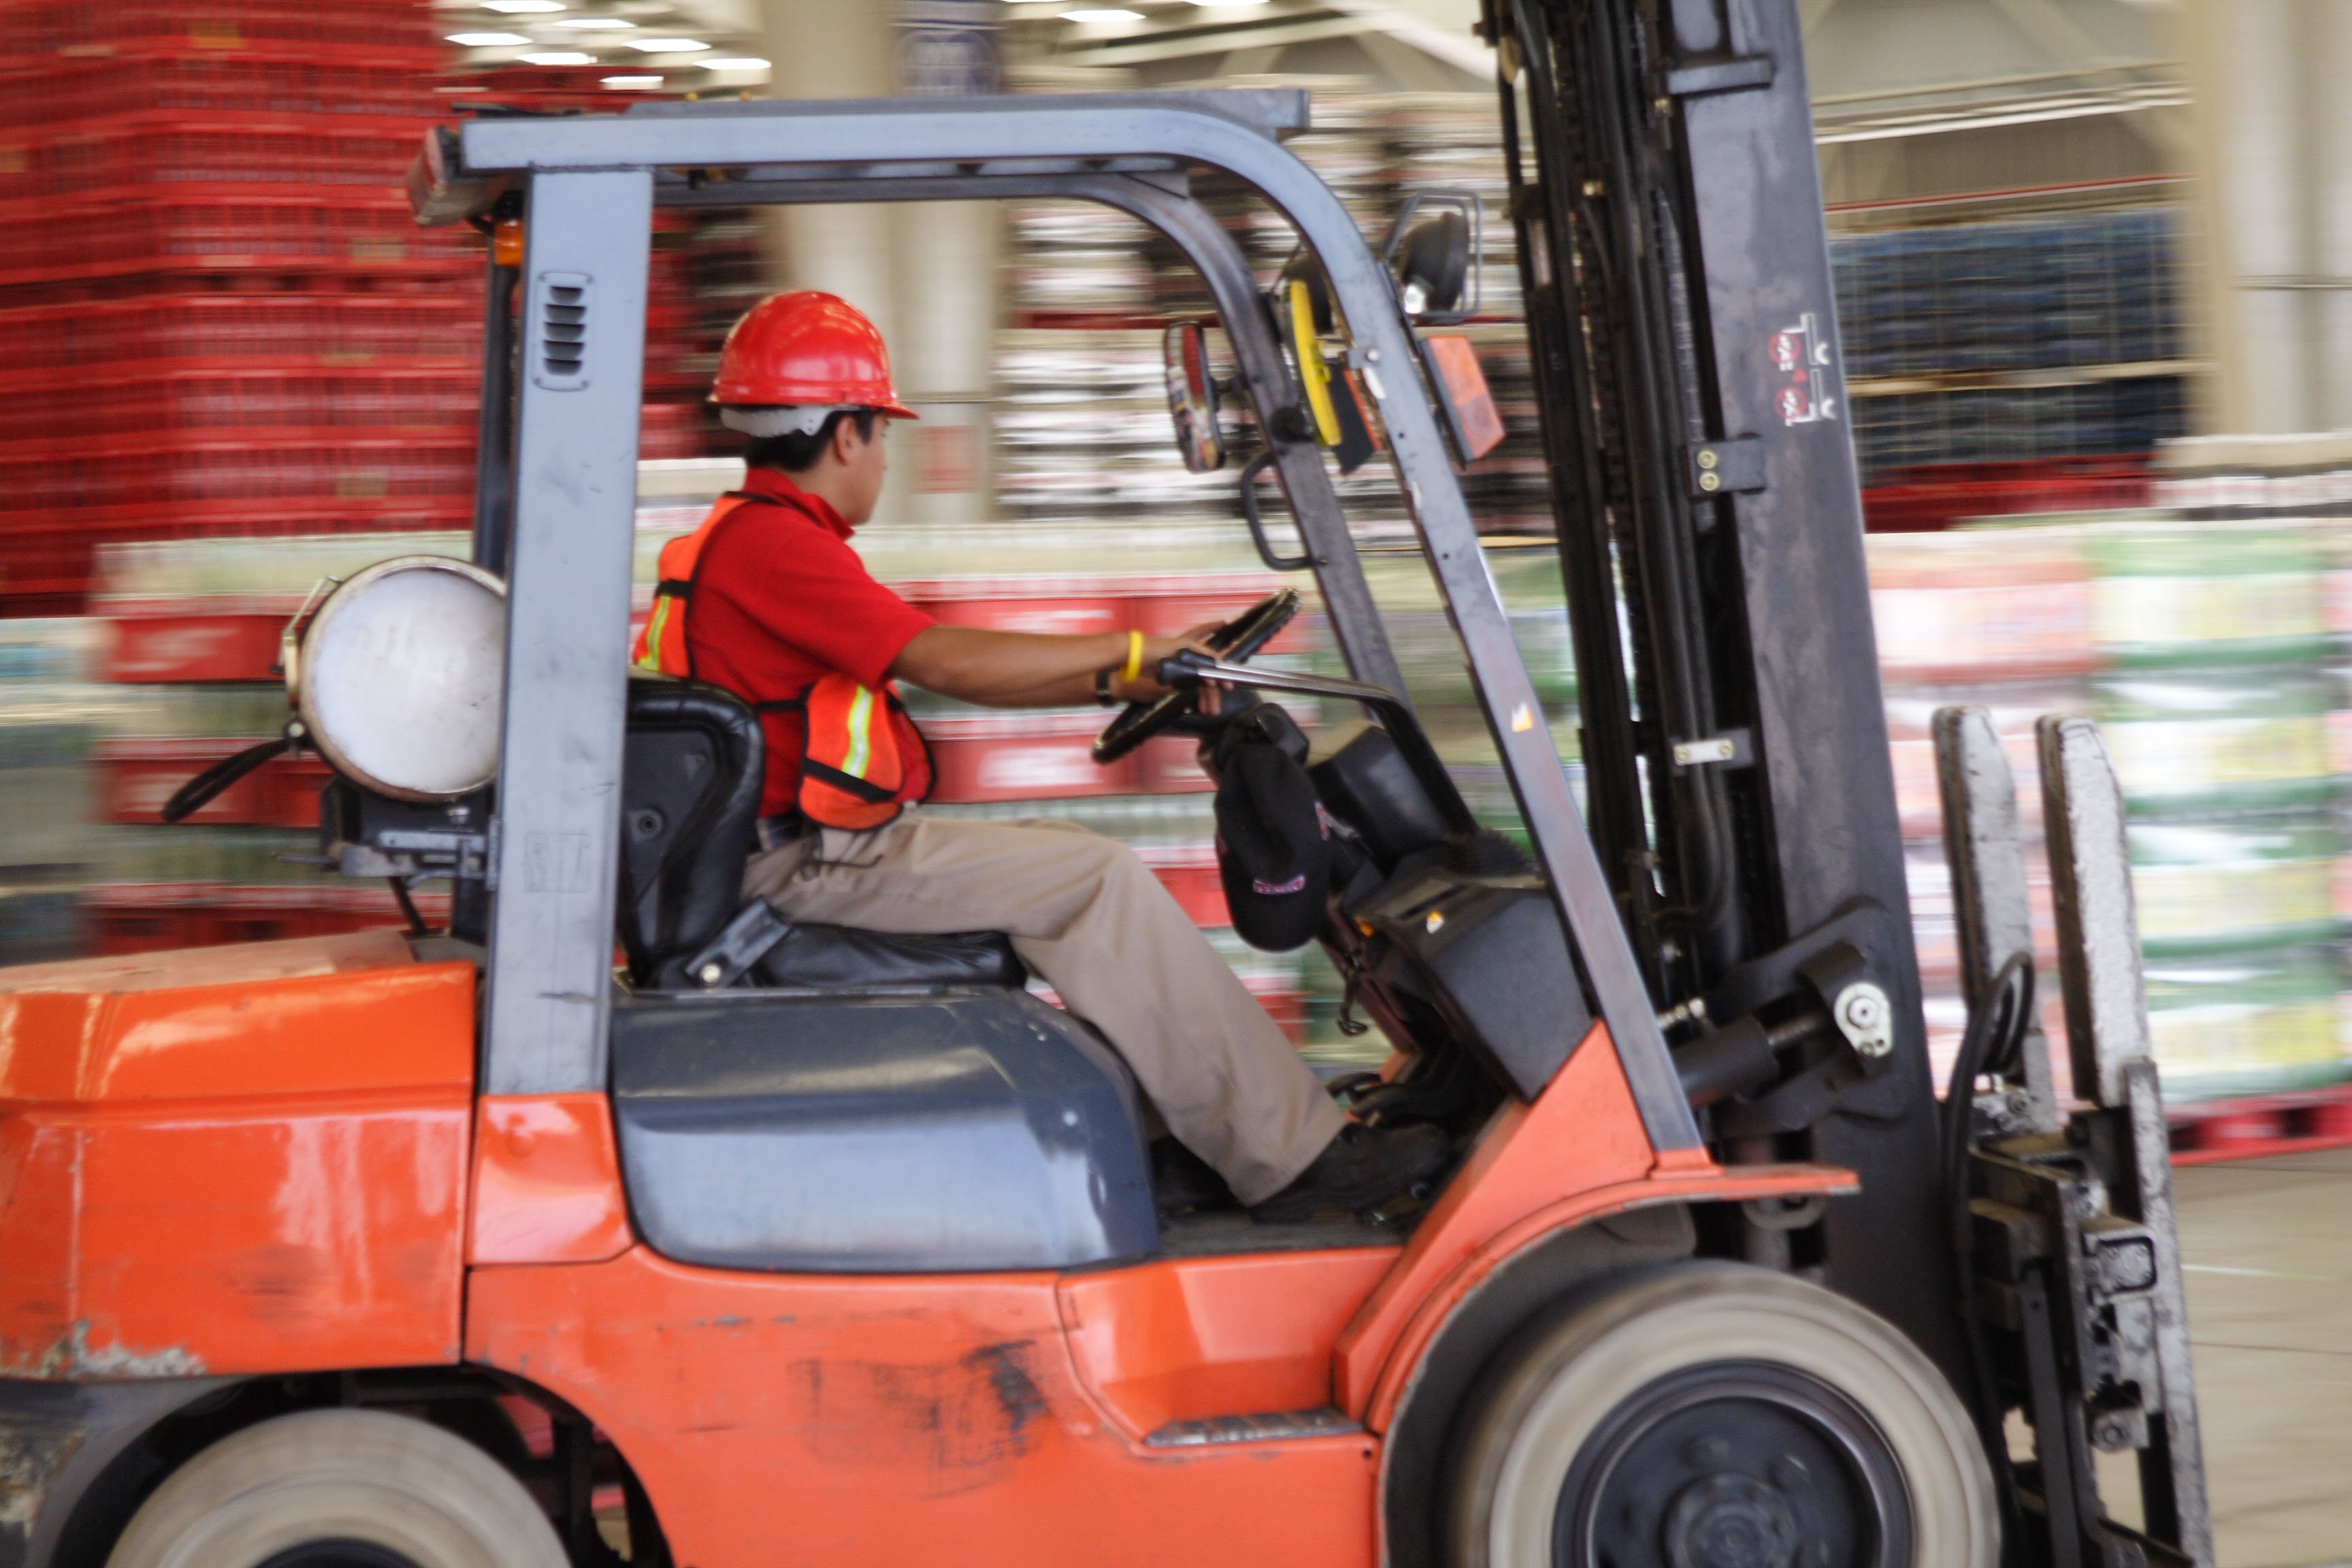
point(218, 26)
point(131, 152)
point(1922, 499)
point(64, 411)
point(224, 230)
point(322, 466)
point(252, 330)
point(247, 80)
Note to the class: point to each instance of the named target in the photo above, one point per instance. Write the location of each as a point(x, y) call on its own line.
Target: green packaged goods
point(2218, 739)
point(2219, 884)
point(2250, 1023)
point(2207, 593)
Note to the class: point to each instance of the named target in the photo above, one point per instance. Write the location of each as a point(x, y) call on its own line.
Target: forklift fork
point(2071, 1250)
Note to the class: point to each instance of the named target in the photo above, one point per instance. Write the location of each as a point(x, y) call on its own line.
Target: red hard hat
point(806, 349)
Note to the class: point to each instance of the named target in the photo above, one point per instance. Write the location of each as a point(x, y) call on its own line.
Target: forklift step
point(1273, 1427)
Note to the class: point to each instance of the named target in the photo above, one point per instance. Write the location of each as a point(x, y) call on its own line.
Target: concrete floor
point(2268, 1248)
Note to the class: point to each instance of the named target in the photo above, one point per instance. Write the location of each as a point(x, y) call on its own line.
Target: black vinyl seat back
point(694, 764)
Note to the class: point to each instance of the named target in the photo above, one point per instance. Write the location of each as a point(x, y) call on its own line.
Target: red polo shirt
point(781, 599)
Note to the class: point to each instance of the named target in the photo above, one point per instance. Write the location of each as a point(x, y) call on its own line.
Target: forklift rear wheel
point(339, 1488)
point(1715, 1415)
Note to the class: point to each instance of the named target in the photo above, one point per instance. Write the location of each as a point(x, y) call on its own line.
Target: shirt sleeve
point(817, 595)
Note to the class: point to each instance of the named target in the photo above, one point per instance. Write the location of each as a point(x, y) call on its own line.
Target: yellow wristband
point(1134, 657)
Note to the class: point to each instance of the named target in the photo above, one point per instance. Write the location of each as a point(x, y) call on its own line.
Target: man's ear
point(846, 439)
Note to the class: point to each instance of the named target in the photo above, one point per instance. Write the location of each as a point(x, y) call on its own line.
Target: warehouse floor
point(2268, 1248)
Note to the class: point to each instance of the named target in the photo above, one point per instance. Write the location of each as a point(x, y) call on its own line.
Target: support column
point(2274, 242)
point(927, 273)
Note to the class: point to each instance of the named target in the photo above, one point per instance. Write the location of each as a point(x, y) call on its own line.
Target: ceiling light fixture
point(632, 83)
point(735, 63)
point(560, 57)
point(1102, 14)
point(488, 40)
point(667, 46)
point(522, 7)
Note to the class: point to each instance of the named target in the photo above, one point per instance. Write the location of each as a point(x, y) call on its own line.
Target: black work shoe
point(1182, 1181)
point(1363, 1168)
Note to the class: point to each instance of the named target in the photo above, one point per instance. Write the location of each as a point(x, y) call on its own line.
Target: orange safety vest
point(856, 772)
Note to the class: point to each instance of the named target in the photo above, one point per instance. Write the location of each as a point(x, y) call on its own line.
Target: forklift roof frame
point(590, 185)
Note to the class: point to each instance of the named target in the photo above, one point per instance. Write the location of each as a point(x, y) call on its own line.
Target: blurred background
point(2094, 264)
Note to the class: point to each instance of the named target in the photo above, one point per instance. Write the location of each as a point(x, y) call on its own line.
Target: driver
point(768, 600)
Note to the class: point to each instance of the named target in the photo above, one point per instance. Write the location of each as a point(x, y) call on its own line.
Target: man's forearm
point(1008, 669)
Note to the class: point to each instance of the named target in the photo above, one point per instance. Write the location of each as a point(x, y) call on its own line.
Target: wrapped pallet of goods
point(2215, 699)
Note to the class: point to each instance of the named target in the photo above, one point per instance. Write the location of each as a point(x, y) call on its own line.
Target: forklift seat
point(693, 766)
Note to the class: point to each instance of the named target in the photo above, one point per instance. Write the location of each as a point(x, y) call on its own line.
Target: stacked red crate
point(222, 318)
point(680, 350)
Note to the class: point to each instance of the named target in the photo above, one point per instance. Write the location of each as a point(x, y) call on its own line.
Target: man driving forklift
point(766, 599)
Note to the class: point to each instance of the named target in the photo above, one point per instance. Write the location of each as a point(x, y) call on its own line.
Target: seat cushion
point(818, 957)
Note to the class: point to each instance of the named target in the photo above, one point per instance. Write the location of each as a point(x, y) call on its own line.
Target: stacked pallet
point(222, 317)
point(2006, 367)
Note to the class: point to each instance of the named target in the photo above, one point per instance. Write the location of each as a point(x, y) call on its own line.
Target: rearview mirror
point(1192, 397)
point(1436, 259)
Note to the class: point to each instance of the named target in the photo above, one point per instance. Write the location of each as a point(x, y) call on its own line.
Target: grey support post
point(2107, 1026)
point(1987, 858)
point(586, 243)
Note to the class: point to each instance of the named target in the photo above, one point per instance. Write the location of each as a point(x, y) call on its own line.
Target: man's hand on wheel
point(1146, 687)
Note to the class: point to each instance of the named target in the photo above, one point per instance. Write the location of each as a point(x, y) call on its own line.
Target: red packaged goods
point(173, 230)
point(384, 398)
point(141, 775)
point(193, 647)
point(311, 82)
point(1027, 757)
point(133, 151)
point(248, 330)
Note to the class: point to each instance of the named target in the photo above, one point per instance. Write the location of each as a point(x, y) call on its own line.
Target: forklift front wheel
point(340, 1489)
point(1714, 1414)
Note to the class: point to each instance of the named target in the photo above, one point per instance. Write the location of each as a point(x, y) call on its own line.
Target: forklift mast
point(1695, 422)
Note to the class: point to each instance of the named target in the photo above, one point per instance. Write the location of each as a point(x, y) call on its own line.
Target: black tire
point(1713, 1415)
point(339, 1488)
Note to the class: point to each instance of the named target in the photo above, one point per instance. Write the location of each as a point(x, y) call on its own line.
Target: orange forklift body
point(271, 1158)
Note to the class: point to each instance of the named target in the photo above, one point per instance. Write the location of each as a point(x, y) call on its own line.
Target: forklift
point(778, 1244)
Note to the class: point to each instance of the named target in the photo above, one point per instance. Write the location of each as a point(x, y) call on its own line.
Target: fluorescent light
point(522, 7)
point(632, 83)
point(488, 40)
point(560, 57)
point(667, 46)
point(596, 24)
point(743, 63)
point(1102, 14)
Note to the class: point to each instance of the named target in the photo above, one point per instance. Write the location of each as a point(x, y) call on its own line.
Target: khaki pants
point(1090, 918)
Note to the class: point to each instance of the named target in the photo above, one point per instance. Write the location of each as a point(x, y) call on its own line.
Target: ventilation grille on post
point(562, 331)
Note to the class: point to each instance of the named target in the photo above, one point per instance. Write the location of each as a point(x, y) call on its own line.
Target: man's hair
point(797, 454)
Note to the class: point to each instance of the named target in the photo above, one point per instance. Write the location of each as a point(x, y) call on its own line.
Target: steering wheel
point(1235, 642)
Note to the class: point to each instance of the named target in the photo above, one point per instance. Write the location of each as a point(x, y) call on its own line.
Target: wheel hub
point(1734, 1465)
point(1730, 1521)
